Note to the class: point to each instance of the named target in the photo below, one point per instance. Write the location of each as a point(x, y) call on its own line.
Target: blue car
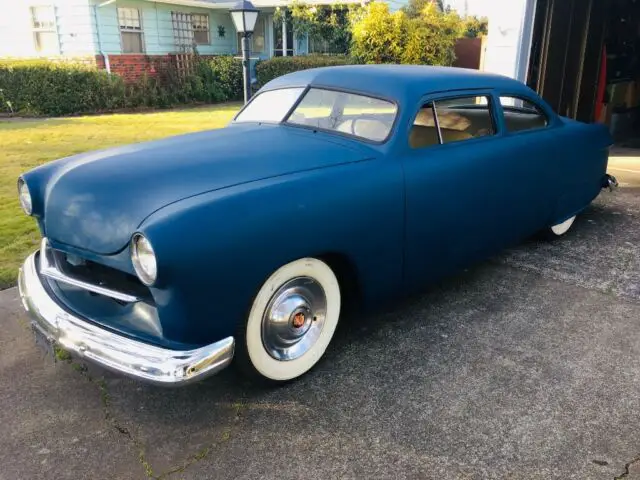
point(168, 260)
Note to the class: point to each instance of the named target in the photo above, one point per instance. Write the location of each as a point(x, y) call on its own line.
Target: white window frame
point(126, 29)
point(208, 27)
point(53, 28)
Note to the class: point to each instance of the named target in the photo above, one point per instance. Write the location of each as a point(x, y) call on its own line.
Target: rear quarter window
point(521, 115)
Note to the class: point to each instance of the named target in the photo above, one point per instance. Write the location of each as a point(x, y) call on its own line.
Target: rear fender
point(582, 167)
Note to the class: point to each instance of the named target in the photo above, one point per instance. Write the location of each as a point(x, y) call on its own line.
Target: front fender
point(216, 249)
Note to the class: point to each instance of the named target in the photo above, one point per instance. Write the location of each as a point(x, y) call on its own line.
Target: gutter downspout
point(105, 57)
point(526, 40)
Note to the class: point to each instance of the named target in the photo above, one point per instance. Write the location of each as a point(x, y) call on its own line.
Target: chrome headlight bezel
point(24, 195)
point(146, 268)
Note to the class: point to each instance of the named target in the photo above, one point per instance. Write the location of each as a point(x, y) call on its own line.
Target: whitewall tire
point(561, 228)
point(291, 322)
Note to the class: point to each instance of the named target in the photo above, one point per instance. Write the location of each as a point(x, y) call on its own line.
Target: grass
point(25, 144)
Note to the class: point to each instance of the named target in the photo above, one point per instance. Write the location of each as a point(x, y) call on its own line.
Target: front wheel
point(291, 322)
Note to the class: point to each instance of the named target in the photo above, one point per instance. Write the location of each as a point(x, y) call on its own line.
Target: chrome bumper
point(133, 358)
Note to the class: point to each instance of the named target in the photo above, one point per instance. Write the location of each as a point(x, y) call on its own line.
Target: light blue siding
point(85, 29)
point(75, 28)
point(73, 24)
point(107, 29)
point(157, 28)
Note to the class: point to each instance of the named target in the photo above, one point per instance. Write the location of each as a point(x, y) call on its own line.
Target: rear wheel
point(560, 229)
point(291, 322)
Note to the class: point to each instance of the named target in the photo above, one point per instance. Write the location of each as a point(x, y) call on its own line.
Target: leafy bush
point(227, 73)
point(422, 34)
point(54, 89)
point(275, 67)
point(378, 36)
point(431, 37)
point(476, 26)
point(327, 27)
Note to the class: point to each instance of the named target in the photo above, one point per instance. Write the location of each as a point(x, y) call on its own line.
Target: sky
point(476, 7)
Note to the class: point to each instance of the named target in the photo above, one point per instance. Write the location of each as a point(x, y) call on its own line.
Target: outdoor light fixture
point(244, 16)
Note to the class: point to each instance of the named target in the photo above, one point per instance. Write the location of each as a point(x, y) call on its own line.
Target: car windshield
point(271, 106)
point(348, 113)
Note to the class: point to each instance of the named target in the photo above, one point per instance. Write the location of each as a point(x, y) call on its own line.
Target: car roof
point(397, 82)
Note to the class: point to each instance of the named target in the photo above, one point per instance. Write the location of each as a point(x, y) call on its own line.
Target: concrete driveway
point(527, 366)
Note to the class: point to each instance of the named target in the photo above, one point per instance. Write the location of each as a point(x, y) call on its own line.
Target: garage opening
point(585, 61)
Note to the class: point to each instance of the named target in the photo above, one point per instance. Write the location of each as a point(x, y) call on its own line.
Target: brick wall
point(131, 67)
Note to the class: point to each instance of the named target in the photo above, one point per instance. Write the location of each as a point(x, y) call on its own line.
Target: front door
point(467, 194)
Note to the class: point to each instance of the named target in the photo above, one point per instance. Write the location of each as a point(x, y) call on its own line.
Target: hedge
point(227, 72)
point(275, 67)
point(51, 89)
point(54, 89)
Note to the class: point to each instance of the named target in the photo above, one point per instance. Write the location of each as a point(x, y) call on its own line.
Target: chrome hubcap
point(294, 318)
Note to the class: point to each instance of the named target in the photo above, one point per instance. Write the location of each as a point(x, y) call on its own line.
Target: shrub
point(54, 89)
point(411, 36)
point(326, 27)
point(275, 67)
point(431, 37)
point(227, 73)
point(378, 36)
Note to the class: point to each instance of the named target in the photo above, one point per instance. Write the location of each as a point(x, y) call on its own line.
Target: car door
point(469, 190)
point(537, 136)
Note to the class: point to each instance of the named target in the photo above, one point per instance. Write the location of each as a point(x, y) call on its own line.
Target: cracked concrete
point(526, 366)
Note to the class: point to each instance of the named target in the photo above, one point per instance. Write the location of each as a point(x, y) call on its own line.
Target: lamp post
point(244, 16)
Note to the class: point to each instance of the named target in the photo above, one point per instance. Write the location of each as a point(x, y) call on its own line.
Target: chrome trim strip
point(130, 357)
point(49, 269)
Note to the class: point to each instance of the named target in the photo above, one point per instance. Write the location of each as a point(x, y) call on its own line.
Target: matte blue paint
point(224, 209)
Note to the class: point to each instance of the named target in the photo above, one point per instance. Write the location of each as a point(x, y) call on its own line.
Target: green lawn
point(29, 143)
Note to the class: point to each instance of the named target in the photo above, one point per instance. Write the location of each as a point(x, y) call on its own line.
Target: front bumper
point(130, 357)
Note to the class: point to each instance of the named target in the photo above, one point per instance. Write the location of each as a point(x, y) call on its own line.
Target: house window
point(190, 29)
point(256, 40)
point(200, 24)
point(45, 36)
point(130, 30)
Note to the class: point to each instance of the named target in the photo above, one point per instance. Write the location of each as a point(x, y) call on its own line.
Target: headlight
point(25, 196)
point(143, 259)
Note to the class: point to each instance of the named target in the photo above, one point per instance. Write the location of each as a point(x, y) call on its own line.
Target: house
point(131, 37)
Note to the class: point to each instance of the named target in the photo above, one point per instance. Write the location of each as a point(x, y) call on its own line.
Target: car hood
point(95, 201)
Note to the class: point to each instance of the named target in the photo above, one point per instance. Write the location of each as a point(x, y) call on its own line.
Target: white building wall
point(74, 28)
point(509, 39)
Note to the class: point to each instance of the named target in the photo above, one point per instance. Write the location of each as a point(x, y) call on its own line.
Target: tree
point(378, 36)
point(475, 26)
point(432, 37)
point(330, 24)
point(413, 8)
point(429, 38)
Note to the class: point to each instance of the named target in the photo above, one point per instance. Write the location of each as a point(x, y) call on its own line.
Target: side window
point(521, 114)
point(452, 120)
